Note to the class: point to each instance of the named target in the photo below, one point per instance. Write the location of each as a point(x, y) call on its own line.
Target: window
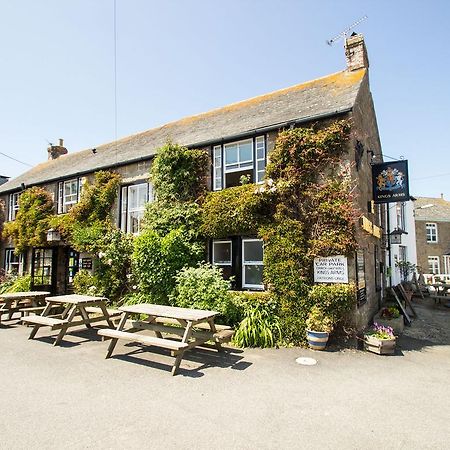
point(252, 263)
point(447, 264)
point(433, 265)
point(400, 212)
point(222, 256)
point(68, 194)
point(432, 235)
point(13, 262)
point(133, 202)
point(13, 206)
point(234, 160)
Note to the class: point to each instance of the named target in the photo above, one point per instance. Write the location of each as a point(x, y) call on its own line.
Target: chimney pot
point(356, 52)
point(55, 151)
point(61, 142)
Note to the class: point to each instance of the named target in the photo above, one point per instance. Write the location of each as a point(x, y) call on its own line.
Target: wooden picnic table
point(442, 292)
point(194, 326)
point(18, 301)
point(91, 309)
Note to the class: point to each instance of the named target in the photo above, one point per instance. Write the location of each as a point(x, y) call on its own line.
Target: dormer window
point(234, 160)
point(68, 194)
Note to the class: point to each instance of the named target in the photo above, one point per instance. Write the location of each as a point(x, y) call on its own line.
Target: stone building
point(239, 138)
point(432, 223)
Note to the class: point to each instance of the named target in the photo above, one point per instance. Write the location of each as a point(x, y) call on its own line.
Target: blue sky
point(176, 58)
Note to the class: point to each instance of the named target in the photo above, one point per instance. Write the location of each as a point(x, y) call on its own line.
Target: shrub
point(236, 210)
point(156, 260)
point(203, 287)
point(16, 284)
point(85, 283)
point(179, 174)
point(334, 300)
point(318, 321)
point(32, 219)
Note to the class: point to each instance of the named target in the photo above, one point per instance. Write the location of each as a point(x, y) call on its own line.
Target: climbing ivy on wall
point(32, 219)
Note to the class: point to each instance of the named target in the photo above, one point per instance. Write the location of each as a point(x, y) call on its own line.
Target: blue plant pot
point(317, 340)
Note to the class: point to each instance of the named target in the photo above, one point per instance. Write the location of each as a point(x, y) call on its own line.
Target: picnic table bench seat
point(96, 310)
point(35, 309)
point(201, 326)
point(147, 340)
point(51, 322)
point(439, 298)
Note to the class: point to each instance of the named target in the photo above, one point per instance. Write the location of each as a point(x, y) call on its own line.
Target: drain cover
point(306, 361)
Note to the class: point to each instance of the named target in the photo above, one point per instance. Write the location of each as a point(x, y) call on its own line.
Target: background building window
point(433, 265)
point(447, 264)
point(13, 262)
point(252, 263)
point(13, 206)
point(134, 198)
point(68, 194)
point(432, 234)
point(400, 211)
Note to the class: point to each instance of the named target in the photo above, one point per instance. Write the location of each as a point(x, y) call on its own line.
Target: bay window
point(133, 202)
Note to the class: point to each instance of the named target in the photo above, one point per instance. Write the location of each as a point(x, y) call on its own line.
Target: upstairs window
point(133, 202)
point(13, 206)
point(68, 194)
point(234, 160)
point(400, 213)
point(432, 233)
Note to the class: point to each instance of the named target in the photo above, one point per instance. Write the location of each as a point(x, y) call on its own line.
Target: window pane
point(231, 154)
point(253, 275)
point(222, 253)
point(246, 151)
point(253, 251)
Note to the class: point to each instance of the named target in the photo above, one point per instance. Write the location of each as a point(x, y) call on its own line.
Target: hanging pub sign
point(390, 182)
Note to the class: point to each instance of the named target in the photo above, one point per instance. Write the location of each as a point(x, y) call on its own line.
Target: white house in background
point(401, 219)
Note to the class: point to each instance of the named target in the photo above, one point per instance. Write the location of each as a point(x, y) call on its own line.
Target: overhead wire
point(14, 159)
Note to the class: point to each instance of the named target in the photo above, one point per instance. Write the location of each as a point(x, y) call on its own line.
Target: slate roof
point(324, 96)
point(432, 209)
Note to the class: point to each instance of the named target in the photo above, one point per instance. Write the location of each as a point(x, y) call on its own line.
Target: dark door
point(43, 269)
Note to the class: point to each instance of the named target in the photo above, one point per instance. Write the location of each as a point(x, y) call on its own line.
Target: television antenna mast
point(344, 33)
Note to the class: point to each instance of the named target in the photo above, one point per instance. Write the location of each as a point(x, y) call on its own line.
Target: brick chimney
point(356, 52)
point(55, 151)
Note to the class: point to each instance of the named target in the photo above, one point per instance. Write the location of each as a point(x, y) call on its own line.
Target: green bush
point(334, 300)
point(156, 261)
point(318, 321)
point(179, 174)
point(85, 283)
point(203, 287)
point(16, 284)
point(236, 210)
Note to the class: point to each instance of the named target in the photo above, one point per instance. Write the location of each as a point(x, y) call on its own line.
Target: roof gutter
point(245, 134)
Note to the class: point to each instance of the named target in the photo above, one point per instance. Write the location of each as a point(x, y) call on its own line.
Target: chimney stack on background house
point(55, 151)
point(356, 52)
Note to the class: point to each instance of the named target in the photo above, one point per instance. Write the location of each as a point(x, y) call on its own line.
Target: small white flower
point(109, 262)
point(101, 255)
point(262, 189)
point(134, 287)
point(256, 191)
point(273, 189)
point(270, 181)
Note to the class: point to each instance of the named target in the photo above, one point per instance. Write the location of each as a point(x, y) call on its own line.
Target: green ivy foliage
point(156, 260)
point(179, 174)
point(32, 219)
point(236, 210)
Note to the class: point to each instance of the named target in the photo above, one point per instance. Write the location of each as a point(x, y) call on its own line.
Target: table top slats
point(172, 312)
point(75, 299)
point(21, 295)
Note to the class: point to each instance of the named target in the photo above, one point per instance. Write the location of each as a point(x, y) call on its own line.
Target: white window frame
point(125, 211)
point(222, 264)
point(67, 201)
point(9, 253)
point(431, 232)
point(251, 263)
point(242, 165)
point(435, 263)
point(217, 168)
point(401, 216)
point(260, 144)
point(13, 206)
point(447, 264)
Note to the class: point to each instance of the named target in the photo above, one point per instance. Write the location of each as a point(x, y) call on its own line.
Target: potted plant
point(380, 339)
point(390, 316)
point(318, 328)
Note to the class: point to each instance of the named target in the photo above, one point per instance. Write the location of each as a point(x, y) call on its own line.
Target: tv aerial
point(344, 33)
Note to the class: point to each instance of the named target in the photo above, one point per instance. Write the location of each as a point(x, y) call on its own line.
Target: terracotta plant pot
point(379, 346)
point(317, 340)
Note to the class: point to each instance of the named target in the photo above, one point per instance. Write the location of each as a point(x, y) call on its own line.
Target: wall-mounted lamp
point(22, 186)
point(53, 235)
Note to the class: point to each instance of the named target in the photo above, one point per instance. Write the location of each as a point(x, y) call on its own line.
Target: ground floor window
point(447, 264)
point(241, 260)
point(13, 262)
point(433, 265)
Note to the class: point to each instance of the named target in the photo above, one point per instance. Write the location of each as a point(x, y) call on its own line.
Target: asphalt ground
point(71, 397)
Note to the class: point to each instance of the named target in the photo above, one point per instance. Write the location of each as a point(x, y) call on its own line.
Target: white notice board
point(331, 269)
